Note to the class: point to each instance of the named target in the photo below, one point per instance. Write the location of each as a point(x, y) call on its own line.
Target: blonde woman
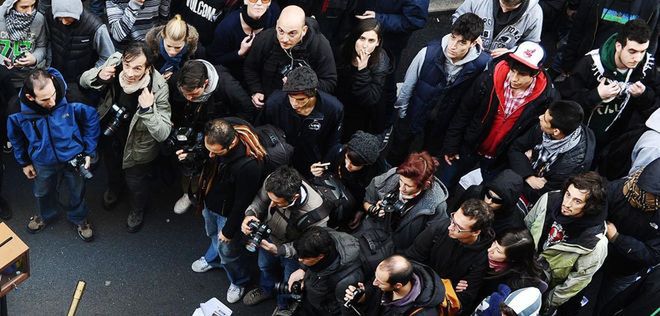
point(171, 45)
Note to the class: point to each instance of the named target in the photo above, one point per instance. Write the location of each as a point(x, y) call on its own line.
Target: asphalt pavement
point(146, 273)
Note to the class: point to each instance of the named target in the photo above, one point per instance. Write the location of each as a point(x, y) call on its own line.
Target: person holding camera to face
point(230, 179)
point(135, 114)
point(283, 209)
point(330, 263)
point(54, 139)
point(406, 197)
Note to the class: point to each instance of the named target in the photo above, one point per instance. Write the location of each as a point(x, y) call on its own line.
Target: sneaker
point(235, 293)
point(134, 221)
point(85, 231)
point(183, 204)
point(200, 265)
point(282, 312)
point(36, 224)
point(110, 200)
point(256, 296)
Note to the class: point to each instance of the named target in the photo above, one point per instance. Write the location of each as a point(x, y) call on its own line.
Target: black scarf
point(252, 23)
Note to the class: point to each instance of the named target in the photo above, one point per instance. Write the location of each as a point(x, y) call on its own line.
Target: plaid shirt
point(511, 102)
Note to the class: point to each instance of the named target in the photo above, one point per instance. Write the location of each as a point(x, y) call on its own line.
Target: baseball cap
point(529, 54)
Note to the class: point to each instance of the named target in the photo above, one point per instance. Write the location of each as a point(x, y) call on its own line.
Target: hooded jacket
point(574, 261)
point(479, 107)
point(647, 147)
point(425, 304)
point(35, 43)
point(453, 260)
point(582, 87)
point(637, 245)
point(52, 136)
point(146, 128)
point(325, 290)
point(527, 26)
point(431, 205)
point(427, 84)
point(508, 186)
point(266, 60)
point(577, 160)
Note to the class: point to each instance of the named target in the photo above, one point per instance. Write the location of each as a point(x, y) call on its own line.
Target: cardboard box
point(12, 251)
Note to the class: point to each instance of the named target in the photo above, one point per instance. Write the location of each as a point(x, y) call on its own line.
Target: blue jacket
point(399, 16)
point(51, 136)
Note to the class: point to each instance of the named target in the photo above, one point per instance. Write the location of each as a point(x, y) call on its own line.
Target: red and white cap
point(529, 54)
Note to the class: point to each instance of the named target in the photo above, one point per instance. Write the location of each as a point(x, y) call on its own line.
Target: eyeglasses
point(493, 198)
point(457, 228)
point(262, 1)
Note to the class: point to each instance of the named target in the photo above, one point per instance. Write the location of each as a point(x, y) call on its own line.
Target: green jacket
point(146, 129)
point(572, 265)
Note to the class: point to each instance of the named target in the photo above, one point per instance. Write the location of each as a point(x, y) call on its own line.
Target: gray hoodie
point(36, 42)
point(526, 28)
point(647, 148)
point(213, 81)
point(415, 68)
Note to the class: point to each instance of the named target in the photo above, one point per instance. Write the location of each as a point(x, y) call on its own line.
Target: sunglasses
point(262, 1)
point(495, 200)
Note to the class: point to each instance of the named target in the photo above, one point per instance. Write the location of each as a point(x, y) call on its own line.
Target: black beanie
point(301, 79)
point(366, 146)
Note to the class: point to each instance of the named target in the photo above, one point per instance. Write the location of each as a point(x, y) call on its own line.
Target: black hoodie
point(452, 259)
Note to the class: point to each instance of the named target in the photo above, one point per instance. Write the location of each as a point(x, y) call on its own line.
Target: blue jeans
point(228, 255)
point(270, 266)
point(46, 191)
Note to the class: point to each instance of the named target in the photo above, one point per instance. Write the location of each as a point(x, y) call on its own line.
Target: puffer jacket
point(53, 136)
point(146, 129)
point(572, 262)
point(325, 290)
point(430, 206)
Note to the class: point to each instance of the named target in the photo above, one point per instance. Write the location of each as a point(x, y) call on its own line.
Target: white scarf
point(131, 88)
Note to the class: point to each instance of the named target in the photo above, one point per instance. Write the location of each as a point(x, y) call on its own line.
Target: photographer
point(286, 206)
point(400, 287)
point(231, 178)
point(49, 134)
point(330, 262)
point(413, 197)
point(203, 92)
point(135, 114)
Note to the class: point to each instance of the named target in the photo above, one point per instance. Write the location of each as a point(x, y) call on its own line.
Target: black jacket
point(478, 109)
point(314, 137)
point(266, 60)
point(336, 18)
point(507, 185)
point(638, 245)
point(453, 260)
point(325, 290)
point(576, 160)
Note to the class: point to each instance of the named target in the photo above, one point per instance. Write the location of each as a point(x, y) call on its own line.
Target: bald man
point(295, 41)
point(400, 287)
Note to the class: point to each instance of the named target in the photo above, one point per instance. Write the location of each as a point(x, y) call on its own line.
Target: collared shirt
point(513, 102)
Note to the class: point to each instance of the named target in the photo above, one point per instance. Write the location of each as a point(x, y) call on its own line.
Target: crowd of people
point(515, 171)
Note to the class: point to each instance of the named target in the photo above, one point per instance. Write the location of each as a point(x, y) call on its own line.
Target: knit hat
point(67, 9)
point(366, 146)
point(649, 180)
point(301, 79)
point(529, 54)
point(525, 302)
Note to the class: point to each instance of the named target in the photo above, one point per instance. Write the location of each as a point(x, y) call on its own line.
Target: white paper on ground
point(213, 307)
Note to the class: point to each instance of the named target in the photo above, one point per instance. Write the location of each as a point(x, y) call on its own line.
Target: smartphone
point(168, 69)
point(325, 165)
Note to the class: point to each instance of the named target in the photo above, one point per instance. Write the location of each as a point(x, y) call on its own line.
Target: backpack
point(279, 152)
point(376, 244)
point(450, 305)
point(339, 198)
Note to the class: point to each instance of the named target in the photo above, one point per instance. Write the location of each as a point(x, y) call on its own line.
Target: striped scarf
point(638, 198)
point(549, 150)
point(18, 24)
point(251, 142)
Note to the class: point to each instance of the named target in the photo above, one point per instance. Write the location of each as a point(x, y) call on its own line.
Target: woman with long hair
point(362, 66)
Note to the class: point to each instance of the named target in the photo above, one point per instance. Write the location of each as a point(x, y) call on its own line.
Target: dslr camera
point(282, 288)
point(185, 138)
point(119, 117)
point(390, 204)
point(260, 231)
point(78, 164)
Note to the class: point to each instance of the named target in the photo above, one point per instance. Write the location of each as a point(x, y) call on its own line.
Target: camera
point(78, 163)
point(259, 232)
point(283, 288)
point(185, 138)
point(121, 115)
point(295, 63)
point(392, 204)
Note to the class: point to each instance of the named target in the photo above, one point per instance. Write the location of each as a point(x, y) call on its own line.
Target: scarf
point(252, 23)
point(550, 149)
point(638, 198)
point(498, 266)
point(173, 62)
point(18, 24)
point(131, 88)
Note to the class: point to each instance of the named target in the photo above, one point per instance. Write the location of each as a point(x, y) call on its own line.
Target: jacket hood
point(4, 9)
point(508, 185)
point(654, 121)
point(471, 55)
point(348, 252)
point(212, 73)
point(484, 241)
point(607, 51)
point(67, 9)
point(432, 292)
point(28, 106)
